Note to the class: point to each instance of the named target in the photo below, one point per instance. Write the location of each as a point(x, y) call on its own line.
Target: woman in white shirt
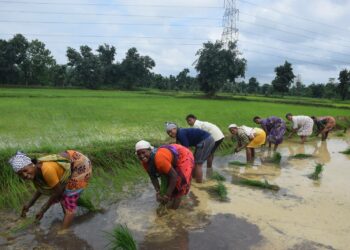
point(212, 129)
point(302, 124)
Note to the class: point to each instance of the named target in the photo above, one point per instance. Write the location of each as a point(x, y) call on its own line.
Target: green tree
point(135, 69)
point(284, 78)
point(253, 85)
point(86, 67)
point(12, 55)
point(344, 84)
point(217, 64)
point(37, 64)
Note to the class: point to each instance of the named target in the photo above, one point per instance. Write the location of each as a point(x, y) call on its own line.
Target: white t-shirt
point(300, 121)
point(212, 129)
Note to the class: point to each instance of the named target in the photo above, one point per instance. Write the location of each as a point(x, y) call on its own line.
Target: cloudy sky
point(313, 35)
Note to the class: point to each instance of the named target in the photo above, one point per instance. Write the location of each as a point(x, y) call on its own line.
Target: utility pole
point(229, 22)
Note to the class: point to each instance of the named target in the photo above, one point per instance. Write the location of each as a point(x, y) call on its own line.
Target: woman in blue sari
point(274, 127)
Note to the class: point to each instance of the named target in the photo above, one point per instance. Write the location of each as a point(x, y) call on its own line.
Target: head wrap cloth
point(170, 126)
point(19, 161)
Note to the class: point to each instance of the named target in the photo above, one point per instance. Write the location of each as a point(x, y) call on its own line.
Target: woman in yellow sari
point(248, 138)
point(62, 176)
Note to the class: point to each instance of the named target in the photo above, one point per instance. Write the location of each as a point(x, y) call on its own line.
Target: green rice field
point(106, 124)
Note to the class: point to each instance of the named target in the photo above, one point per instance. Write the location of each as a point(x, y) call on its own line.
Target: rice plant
point(347, 151)
point(87, 203)
point(121, 239)
point(221, 190)
point(217, 176)
point(316, 174)
point(22, 225)
point(276, 158)
point(302, 156)
point(260, 184)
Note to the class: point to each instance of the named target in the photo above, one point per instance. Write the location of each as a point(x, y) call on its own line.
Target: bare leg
point(67, 220)
point(275, 147)
point(253, 153)
point(198, 173)
point(269, 145)
point(210, 161)
point(249, 154)
point(303, 139)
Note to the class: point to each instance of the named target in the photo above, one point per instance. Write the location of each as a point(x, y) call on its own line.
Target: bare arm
point(172, 182)
point(57, 193)
point(26, 207)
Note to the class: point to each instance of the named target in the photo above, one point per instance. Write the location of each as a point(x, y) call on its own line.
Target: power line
point(112, 4)
point(107, 36)
point(300, 53)
point(105, 14)
point(287, 32)
point(294, 16)
point(292, 42)
point(290, 26)
point(107, 23)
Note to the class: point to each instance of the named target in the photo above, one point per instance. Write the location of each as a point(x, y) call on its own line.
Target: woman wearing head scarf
point(274, 128)
point(193, 137)
point(248, 138)
point(173, 164)
point(324, 125)
point(302, 124)
point(62, 176)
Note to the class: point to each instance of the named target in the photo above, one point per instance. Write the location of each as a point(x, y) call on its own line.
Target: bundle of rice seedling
point(316, 174)
point(276, 158)
point(302, 156)
point(121, 239)
point(217, 176)
point(221, 190)
point(237, 163)
point(259, 184)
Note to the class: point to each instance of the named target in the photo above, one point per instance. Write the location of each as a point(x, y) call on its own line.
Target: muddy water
point(303, 214)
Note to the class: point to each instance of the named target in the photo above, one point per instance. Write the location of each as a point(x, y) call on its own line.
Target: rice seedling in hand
point(301, 156)
point(316, 174)
point(347, 151)
point(121, 239)
point(217, 176)
point(260, 184)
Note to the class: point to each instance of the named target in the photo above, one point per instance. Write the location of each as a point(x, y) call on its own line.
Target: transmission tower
point(229, 22)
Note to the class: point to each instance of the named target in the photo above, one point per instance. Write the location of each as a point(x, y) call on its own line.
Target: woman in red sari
point(173, 164)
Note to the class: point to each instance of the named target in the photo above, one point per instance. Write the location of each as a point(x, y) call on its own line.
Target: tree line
point(219, 68)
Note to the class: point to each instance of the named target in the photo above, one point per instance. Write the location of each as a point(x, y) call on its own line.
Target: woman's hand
point(158, 197)
point(25, 210)
point(165, 199)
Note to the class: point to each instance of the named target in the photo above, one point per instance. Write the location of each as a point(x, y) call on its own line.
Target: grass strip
point(121, 239)
point(316, 174)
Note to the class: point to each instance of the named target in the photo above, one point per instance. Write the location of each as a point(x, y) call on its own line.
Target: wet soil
point(303, 214)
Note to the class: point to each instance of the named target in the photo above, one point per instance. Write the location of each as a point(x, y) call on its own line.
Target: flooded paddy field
point(302, 214)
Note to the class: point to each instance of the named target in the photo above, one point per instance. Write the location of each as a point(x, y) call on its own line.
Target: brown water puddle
point(303, 214)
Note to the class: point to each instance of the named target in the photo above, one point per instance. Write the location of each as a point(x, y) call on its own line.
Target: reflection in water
point(321, 151)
